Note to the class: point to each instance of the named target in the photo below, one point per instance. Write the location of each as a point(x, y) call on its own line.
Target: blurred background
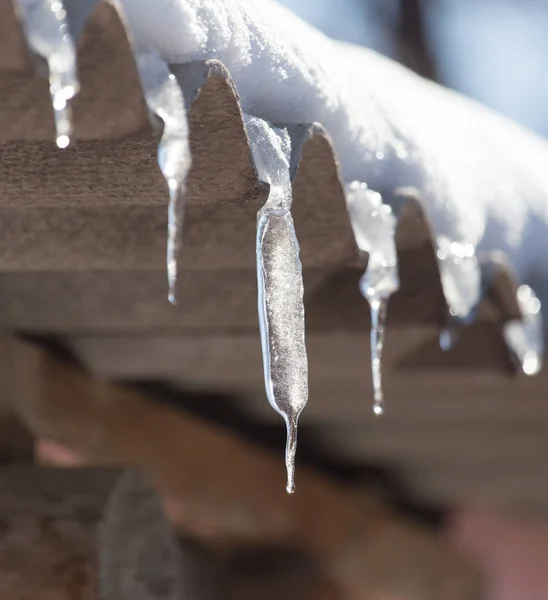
point(492, 50)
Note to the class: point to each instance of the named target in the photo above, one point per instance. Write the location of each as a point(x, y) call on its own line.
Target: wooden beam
point(84, 533)
point(222, 489)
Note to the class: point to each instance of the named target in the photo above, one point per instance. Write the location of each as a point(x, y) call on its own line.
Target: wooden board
point(84, 533)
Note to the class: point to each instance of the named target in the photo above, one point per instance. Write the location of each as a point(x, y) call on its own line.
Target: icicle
point(165, 100)
point(374, 226)
point(281, 318)
point(280, 286)
point(525, 337)
point(461, 281)
point(47, 30)
point(378, 322)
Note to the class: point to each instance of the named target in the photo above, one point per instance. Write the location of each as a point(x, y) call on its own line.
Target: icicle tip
point(63, 141)
point(378, 409)
point(172, 297)
point(290, 451)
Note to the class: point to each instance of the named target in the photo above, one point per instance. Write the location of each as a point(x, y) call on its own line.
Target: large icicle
point(374, 227)
point(525, 337)
point(46, 26)
point(165, 99)
point(280, 285)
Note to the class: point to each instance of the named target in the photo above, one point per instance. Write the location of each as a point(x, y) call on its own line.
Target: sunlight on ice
point(165, 100)
point(383, 120)
point(47, 30)
point(460, 275)
point(280, 285)
point(525, 337)
point(374, 226)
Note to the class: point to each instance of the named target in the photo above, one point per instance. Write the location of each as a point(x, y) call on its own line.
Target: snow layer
point(483, 178)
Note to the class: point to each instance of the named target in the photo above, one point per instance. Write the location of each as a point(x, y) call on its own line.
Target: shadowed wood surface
point(82, 257)
point(86, 533)
point(224, 490)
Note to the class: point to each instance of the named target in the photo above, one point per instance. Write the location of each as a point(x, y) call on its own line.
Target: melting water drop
point(449, 337)
point(374, 225)
point(47, 30)
point(525, 337)
point(280, 285)
point(165, 99)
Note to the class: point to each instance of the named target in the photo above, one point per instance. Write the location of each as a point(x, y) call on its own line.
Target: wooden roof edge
point(118, 110)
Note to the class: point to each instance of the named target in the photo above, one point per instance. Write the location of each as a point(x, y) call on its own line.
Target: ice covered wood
point(389, 127)
point(53, 30)
point(378, 162)
point(86, 533)
point(109, 294)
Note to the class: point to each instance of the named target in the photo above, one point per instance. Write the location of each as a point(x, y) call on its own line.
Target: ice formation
point(460, 274)
point(482, 179)
point(374, 227)
point(525, 337)
point(46, 26)
point(165, 100)
point(280, 285)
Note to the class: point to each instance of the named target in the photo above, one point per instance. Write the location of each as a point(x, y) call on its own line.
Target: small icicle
point(174, 228)
point(461, 279)
point(378, 322)
point(374, 227)
point(47, 30)
point(525, 337)
point(280, 286)
point(165, 99)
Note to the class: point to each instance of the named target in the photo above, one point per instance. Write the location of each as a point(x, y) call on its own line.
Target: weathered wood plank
point(224, 488)
point(84, 533)
point(118, 110)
